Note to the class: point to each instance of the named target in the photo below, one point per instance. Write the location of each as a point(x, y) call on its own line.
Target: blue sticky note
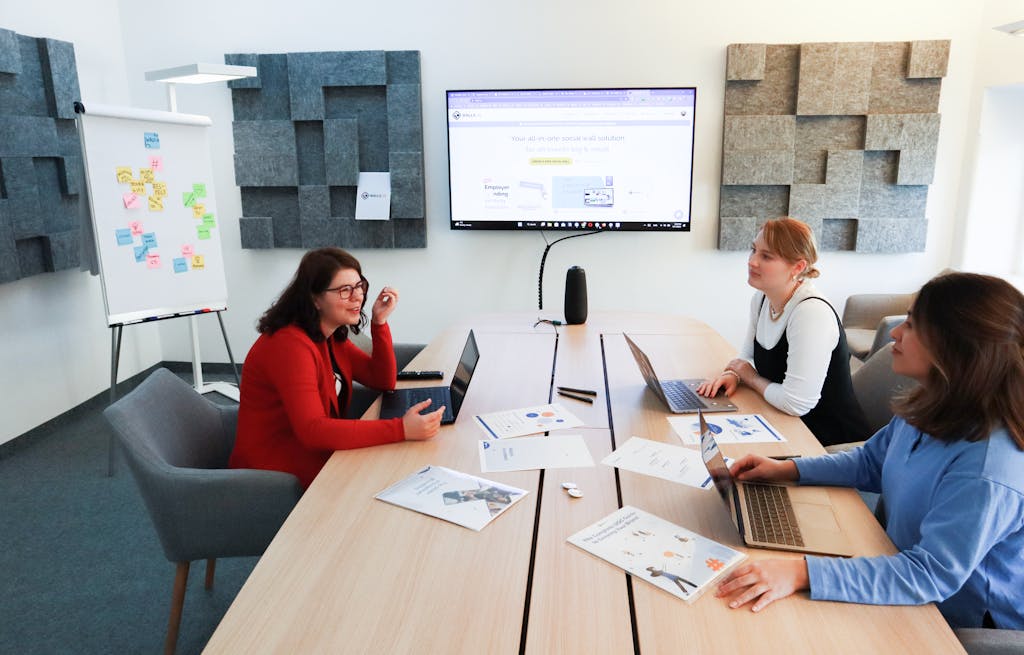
point(140, 254)
point(124, 236)
point(149, 240)
point(180, 265)
point(152, 140)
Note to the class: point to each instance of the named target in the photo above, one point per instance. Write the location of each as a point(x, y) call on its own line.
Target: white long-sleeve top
point(812, 331)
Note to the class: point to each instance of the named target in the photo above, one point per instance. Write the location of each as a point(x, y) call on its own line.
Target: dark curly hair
point(973, 327)
point(295, 304)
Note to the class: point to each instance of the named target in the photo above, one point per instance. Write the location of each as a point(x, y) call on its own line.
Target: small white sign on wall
point(373, 197)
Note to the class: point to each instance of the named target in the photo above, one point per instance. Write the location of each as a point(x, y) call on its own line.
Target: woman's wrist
point(733, 373)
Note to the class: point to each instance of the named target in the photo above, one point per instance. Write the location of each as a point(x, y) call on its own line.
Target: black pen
point(585, 392)
point(784, 458)
point(575, 397)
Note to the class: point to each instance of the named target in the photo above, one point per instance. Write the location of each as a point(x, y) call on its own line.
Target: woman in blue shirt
point(950, 467)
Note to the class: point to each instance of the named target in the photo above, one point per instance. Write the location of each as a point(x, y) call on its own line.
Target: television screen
point(571, 159)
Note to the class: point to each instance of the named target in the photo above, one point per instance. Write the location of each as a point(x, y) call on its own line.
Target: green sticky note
point(209, 220)
point(188, 197)
point(203, 231)
point(199, 189)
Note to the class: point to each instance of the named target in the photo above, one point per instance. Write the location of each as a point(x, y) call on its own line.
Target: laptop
point(396, 403)
point(679, 395)
point(775, 516)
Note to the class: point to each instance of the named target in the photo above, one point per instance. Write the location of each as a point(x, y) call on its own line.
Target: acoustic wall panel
point(40, 157)
point(842, 136)
point(304, 130)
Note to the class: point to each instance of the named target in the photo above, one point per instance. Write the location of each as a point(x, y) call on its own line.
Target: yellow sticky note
point(160, 189)
point(124, 174)
point(138, 188)
point(156, 204)
point(146, 174)
point(198, 210)
point(197, 262)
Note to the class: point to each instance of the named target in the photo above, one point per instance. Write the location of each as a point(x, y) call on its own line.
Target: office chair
point(362, 396)
point(868, 320)
point(177, 445)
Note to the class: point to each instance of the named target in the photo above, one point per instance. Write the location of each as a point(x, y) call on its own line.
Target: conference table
point(350, 573)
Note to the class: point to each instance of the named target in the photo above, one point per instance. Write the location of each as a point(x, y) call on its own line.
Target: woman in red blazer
point(297, 377)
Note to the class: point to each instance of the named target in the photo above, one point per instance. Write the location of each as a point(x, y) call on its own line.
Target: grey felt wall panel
point(330, 116)
point(745, 61)
point(41, 174)
point(864, 137)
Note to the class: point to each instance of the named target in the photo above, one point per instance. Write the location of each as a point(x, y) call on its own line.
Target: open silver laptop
point(775, 516)
point(680, 396)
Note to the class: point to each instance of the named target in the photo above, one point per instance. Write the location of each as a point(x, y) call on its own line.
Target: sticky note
point(149, 239)
point(209, 220)
point(151, 140)
point(198, 210)
point(180, 265)
point(124, 174)
point(199, 189)
point(188, 198)
point(131, 201)
point(146, 174)
point(140, 253)
point(160, 189)
point(186, 250)
point(138, 188)
point(124, 236)
point(203, 232)
point(156, 203)
point(156, 162)
point(152, 260)
point(198, 263)
point(136, 228)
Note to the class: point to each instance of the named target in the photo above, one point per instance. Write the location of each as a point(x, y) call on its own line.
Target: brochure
point(672, 558)
point(526, 420)
point(527, 453)
point(732, 428)
point(662, 460)
point(460, 498)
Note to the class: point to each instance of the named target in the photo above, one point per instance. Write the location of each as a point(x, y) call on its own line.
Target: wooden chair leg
point(177, 604)
point(211, 564)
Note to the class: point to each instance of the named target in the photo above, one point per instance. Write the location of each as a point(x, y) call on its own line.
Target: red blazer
point(288, 415)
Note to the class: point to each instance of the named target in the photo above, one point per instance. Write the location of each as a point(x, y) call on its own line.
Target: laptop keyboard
point(771, 515)
point(681, 396)
point(436, 394)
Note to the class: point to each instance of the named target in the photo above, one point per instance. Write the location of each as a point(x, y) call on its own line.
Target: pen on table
point(783, 458)
point(575, 397)
point(585, 392)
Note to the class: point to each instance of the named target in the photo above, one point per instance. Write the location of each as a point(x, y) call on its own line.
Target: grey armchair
point(985, 641)
point(869, 318)
point(177, 445)
point(362, 396)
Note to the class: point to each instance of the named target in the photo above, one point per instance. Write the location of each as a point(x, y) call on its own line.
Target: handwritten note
point(146, 175)
point(188, 198)
point(198, 263)
point(149, 239)
point(198, 210)
point(152, 260)
point(209, 220)
point(199, 189)
point(140, 254)
point(203, 232)
point(156, 203)
point(160, 189)
point(151, 140)
point(136, 228)
point(180, 265)
point(131, 201)
point(124, 236)
point(186, 250)
point(138, 188)
point(124, 174)
point(156, 162)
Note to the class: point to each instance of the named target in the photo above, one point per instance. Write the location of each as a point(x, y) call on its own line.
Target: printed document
point(731, 428)
point(551, 452)
point(527, 420)
point(662, 460)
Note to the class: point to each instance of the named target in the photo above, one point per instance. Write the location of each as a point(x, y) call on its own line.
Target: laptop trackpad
point(815, 517)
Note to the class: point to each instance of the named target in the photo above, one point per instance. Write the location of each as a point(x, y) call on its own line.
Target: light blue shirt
point(954, 510)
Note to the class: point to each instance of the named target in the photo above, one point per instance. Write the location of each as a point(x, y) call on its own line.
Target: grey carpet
point(81, 569)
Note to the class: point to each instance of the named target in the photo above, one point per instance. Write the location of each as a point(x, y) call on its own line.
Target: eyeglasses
point(345, 291)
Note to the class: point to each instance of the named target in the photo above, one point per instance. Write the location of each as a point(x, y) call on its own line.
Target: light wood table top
point(349, 573)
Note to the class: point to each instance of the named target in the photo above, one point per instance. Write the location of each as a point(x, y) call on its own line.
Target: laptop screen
point(646, 369)
point(464, 373)
point(715, 463)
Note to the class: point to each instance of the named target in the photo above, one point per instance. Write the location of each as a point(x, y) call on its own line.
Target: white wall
point(537, 43)
point(56, 343)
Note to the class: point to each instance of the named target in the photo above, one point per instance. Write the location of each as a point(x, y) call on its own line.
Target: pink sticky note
point(152, 260)
point(136, 227)
point(186, 250)
point(131, 201)
point(156, 163)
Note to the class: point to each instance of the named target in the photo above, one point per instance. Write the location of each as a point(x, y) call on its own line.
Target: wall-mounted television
point(571, 159)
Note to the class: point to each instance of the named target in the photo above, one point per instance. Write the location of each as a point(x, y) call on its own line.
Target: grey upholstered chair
point(868, 319)
point(177, 445)
point(362, 396)
point(984, 641)
point(875, 385)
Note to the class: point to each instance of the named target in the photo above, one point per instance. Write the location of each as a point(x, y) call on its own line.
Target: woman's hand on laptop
point(757, 467)
point(764, 581)
point(419, 427)
point(727, 381)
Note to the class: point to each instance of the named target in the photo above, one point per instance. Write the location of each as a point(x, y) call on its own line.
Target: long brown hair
point(973, 327)
point(295, 305)
point(792, 240)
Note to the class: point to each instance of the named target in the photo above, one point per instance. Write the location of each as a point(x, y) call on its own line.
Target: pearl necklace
point(774, 314)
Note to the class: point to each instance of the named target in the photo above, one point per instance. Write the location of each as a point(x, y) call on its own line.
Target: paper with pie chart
point(527, 420)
